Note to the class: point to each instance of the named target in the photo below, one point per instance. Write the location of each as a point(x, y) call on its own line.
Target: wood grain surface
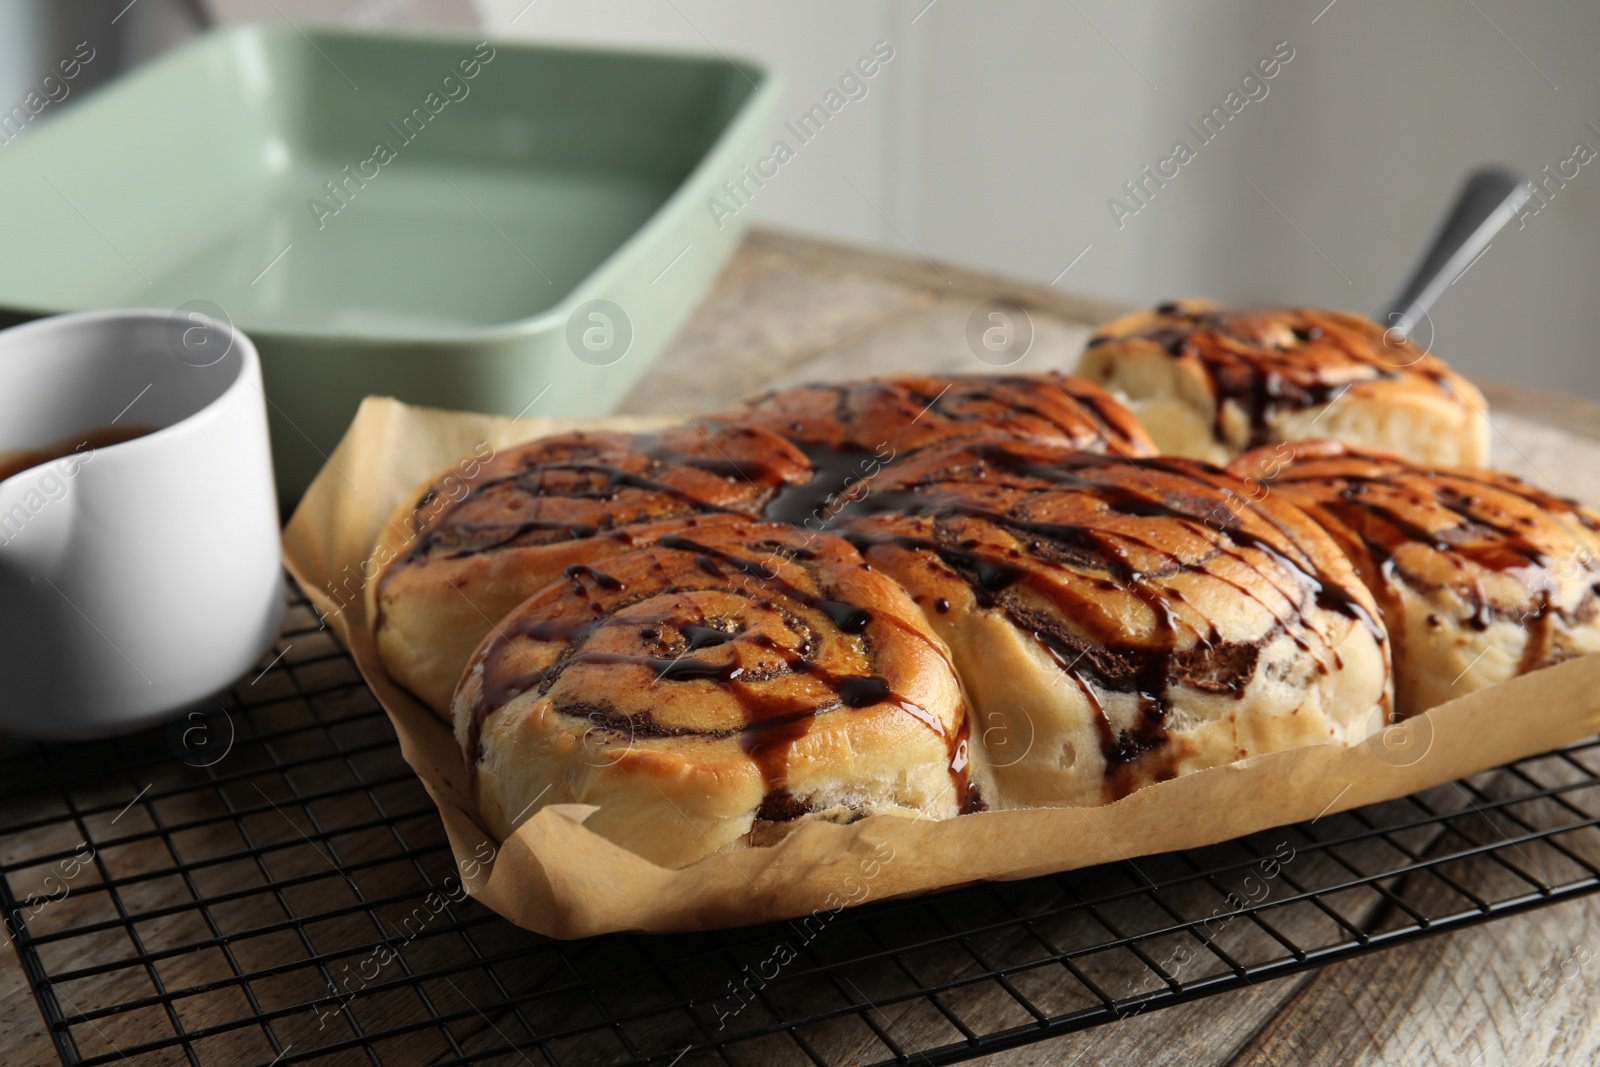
point(1519, 990)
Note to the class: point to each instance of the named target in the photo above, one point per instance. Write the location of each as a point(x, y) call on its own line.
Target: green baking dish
point(487, 226)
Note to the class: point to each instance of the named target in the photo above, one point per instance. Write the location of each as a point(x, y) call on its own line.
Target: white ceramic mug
point(136, 579)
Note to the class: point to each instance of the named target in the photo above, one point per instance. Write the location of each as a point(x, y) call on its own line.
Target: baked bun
point(1116, 622)
point(476, 544)
point(1480, 576)
point(898, 415)
point(712, 691)
point(1211, 382)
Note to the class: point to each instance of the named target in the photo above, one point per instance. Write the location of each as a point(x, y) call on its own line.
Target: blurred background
point(1002, 137)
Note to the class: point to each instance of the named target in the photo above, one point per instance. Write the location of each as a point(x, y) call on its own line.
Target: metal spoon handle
point(1489, 200)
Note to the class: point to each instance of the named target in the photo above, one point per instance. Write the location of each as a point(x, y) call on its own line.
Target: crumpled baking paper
point(558, 878)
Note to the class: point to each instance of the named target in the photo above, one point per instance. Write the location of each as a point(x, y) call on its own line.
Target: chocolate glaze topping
point(839, 475)
point(886, 417)
point(575, 486)
point(1085, 553)
point(1500, 544)
point(784, 647)
point(1273, 360)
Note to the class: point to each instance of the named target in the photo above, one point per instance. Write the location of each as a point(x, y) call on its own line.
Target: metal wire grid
point(269, 884)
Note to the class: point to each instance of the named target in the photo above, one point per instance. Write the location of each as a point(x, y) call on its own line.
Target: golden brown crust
point(1118, 622)
point(473, 547)
point(908, 412)
point(1480, 576)
point(713, 689)
point(711, 638)
point(1211, 382)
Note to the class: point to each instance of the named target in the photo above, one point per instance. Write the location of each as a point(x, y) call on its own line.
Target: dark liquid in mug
point(18, 460)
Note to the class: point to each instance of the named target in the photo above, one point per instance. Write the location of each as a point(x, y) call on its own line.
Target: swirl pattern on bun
point(1118, 622)
point(1480, 576)
point(1210, 382)
point(484, 543)
point(497, 537)
point(713, 690)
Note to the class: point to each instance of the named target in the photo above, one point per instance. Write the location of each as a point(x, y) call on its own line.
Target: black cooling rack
point(267, 883)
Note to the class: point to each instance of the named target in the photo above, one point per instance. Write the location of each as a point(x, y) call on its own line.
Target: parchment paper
point(558, 878)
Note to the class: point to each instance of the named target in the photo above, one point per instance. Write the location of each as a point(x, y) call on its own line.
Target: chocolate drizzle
point(1039, 534)
point(889, 417)
point(576, 486)
point(1502, 547)
point(838, 477)
point(603, 580)
point(1267, 362)
point(764, 648)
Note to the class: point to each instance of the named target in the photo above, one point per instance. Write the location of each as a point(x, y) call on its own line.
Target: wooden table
point(789, 310)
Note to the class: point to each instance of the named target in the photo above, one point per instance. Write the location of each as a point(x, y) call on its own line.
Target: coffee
point(15, 461)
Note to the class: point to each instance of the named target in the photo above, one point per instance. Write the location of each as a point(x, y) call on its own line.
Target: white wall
point(999, 130)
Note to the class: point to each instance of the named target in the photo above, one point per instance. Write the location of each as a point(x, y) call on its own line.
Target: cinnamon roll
point(1210, 382)
point(1480, 576)
point(898, 415)
point(712, 691)
point(475, 544)
point(1118, 621)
